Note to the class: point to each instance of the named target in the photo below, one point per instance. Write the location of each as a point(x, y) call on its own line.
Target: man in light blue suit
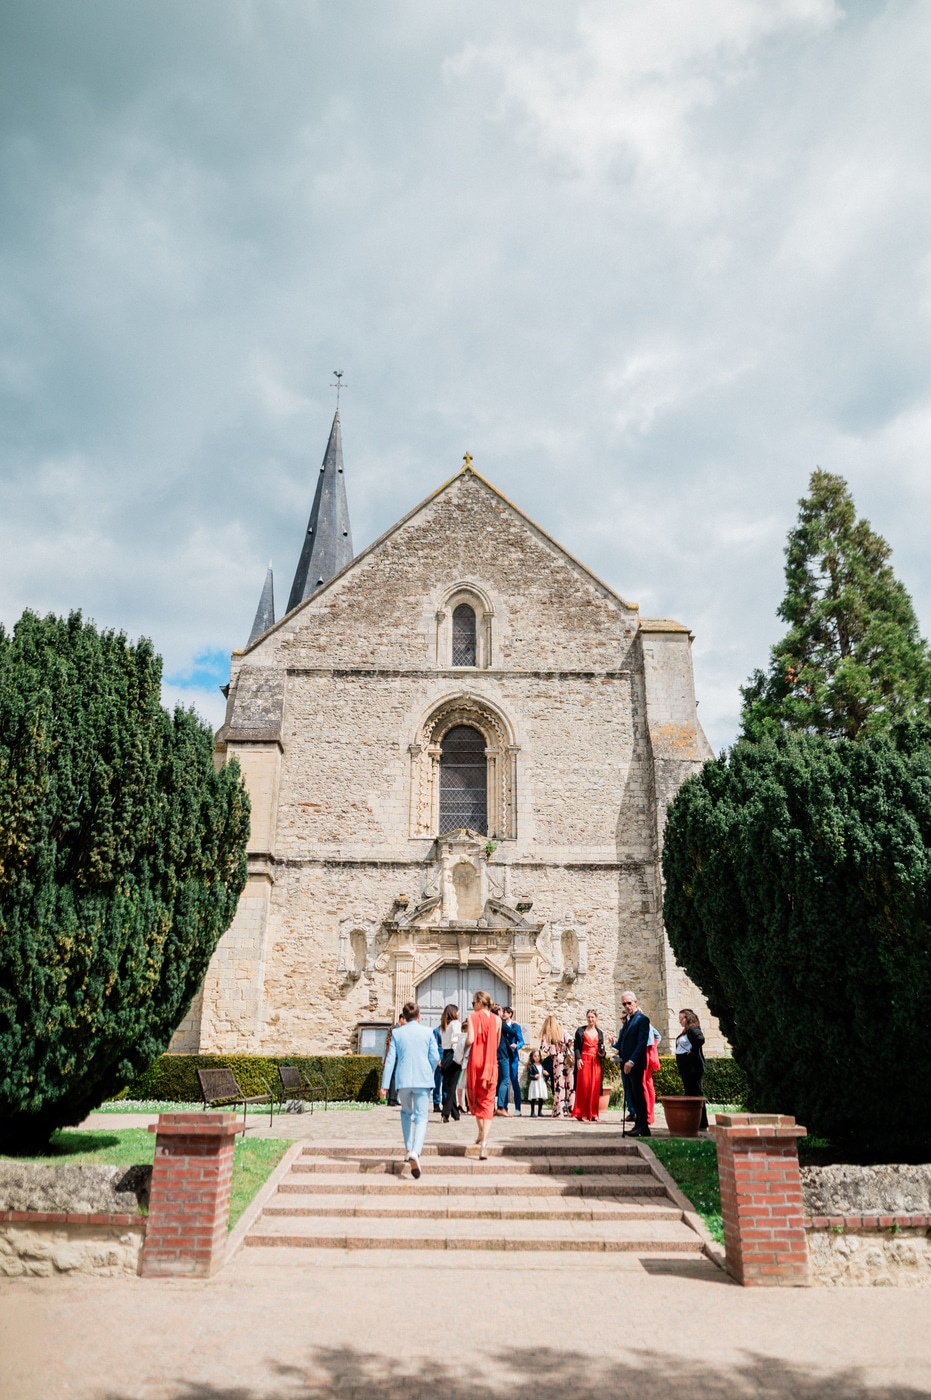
point(413, 1053)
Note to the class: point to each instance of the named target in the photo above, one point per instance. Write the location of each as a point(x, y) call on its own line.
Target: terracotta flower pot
point(604, 1101)
point(683, 1114)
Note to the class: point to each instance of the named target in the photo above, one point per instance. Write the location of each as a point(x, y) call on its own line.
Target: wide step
point(341, 1233)
point(436, 1182)
point(418, 1206)
point(467, 1166)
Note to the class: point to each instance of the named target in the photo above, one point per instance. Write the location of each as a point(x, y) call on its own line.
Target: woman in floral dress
point(554, 1046)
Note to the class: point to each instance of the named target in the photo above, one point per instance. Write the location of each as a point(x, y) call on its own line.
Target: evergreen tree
point(122, 857)
point(852, 661)
point(798, 898)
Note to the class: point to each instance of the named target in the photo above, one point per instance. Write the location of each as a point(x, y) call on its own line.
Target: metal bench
point(298, 1088)
point(219, 1089)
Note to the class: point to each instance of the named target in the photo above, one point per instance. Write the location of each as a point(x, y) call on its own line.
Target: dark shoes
point(637, 1132)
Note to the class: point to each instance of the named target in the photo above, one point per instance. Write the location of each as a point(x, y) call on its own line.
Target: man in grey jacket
point(414, 1055)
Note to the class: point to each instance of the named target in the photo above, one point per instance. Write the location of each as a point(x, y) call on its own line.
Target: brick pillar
point(189, 1202)
point(761, 1198)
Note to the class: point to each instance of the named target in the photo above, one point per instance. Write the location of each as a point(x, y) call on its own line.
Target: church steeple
point(328, 544)
point(265, 612)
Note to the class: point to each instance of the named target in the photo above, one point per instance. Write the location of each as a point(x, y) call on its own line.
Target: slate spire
point(265, 612)
point(328, 544)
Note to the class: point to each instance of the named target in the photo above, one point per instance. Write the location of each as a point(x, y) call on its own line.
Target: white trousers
point(415, 1114)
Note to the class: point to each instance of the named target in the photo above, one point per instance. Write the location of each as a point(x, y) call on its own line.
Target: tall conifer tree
point(122, 857)
point(852, 661)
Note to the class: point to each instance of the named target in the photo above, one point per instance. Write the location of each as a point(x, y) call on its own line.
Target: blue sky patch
point(209, 668)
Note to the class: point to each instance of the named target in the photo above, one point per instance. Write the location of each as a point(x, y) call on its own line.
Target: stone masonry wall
point(339, 691)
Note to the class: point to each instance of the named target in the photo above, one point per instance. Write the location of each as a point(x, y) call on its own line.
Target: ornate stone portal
point(463, 917)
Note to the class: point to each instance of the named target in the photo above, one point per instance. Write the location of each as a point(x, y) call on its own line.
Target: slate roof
point(265, 612)
point(327, 546)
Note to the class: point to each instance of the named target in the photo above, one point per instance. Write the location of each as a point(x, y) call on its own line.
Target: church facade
point(459, 747)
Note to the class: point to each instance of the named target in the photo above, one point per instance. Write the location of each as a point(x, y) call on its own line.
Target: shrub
point(122, 857)
point(349, 1078)
point(798, 898)
point(725, 1081)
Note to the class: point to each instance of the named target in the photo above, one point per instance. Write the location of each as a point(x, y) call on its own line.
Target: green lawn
point(254, 1159)
point(693, 1165)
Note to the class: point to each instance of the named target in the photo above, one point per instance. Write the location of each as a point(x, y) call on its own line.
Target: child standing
point(536, 1085)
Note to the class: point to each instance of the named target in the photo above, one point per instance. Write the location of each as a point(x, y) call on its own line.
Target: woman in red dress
point(652, 1067)
point(482, 1071)
point(589, 1053)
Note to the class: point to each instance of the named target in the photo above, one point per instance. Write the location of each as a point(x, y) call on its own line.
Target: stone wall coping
point(732, 1127)
point(206, 1125)
point(71, 1217)
point(867, 1222)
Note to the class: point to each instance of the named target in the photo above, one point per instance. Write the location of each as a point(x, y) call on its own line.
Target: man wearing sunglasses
point(632, 1044)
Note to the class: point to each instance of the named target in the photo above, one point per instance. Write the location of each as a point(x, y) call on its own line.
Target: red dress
point(588, 1078)
point(649, 1089)
point(482, 1069)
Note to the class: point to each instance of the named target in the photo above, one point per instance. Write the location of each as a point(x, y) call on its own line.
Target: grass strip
point(109, 1147)
point(254, 1160)
point(693, 1165)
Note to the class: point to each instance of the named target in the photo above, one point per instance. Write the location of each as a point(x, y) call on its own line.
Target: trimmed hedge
point(352, 1078)
point(725, 1081)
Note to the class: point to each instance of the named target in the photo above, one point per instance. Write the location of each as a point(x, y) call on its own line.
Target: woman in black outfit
point(690, 1057)
point(450, 1068)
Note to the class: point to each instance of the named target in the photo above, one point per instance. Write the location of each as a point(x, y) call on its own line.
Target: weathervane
point(338, 385)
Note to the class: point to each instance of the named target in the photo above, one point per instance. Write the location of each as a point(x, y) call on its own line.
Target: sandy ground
point(307, 1323)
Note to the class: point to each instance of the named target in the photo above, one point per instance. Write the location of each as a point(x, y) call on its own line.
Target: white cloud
point(649, 262)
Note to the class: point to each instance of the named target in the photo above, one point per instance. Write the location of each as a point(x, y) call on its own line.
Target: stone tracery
point(500, 752)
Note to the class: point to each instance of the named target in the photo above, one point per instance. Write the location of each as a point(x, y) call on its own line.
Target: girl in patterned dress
point(554, 1045)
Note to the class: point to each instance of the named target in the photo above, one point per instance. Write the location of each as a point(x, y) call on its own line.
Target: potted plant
point(683, 1114)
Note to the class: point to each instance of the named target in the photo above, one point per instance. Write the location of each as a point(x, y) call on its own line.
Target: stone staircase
point(547, 1194)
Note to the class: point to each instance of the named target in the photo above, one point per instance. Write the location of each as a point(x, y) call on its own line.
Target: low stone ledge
point(897, 1256)
point(42, 1244)
point(847, 1189)
point(64, 1188)
point(868, 1227)
point(867, 1222)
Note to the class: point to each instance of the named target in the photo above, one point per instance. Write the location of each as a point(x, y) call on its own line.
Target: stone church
point(459, 746)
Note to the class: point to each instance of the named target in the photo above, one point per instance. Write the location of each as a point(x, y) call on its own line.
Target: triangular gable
point(464, 471)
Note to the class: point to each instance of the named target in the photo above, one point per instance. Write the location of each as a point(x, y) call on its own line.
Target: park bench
point(219, 1089)
point(298, 1088)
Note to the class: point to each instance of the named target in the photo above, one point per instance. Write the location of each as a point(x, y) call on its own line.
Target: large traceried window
point(464, 647)
point(464, 770)
point(463, 780)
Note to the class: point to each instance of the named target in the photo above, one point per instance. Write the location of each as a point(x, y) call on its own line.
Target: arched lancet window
point(463, 780)
point(464, 635)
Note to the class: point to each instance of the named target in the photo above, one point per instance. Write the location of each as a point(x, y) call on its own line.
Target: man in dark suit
point(632, 1043)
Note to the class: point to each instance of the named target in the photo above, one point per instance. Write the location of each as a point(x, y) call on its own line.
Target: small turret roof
point(327, 546)
point(265, 612)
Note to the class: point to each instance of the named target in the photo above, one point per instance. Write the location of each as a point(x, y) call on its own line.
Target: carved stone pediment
point(426, 912)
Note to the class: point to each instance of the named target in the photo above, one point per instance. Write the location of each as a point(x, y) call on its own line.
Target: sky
point(651, 262)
